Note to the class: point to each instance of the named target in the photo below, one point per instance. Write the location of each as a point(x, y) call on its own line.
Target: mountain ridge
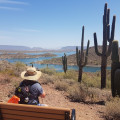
point(25, 48)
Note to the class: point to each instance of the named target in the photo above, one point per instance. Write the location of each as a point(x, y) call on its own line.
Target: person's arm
point(41, 91)
point(43, 95)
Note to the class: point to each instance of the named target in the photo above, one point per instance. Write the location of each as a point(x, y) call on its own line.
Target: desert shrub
point(49, 71)
point(61, 85)
point(9, 72)
point(70, 81)
point(98, 95)
point(91, 79)
point(46, 79)
point(70, 74)
point(113, 109)
point(19, 67)
point(77, 93)
point(5, 79)
point(11, 69)
point(94, 79)
point(94, 94)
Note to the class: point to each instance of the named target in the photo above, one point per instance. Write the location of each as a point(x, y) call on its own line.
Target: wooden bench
point(10, 111)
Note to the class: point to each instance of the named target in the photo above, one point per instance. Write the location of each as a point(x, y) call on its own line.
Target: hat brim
point(34, 77)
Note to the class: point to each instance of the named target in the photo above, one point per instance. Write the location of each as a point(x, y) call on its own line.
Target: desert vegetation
point(88, 91)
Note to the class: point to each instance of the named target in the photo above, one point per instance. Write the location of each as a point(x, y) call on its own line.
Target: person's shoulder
point(37, 84)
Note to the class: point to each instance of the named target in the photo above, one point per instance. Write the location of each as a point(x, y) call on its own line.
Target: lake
point(57, 67)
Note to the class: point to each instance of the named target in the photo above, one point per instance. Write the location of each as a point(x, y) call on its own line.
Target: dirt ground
point(83, 111)
point(57, 98)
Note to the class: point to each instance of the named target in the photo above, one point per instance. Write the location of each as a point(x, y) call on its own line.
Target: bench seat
point(10, 111)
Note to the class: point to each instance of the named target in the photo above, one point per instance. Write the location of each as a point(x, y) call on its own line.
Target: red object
point(14, 99)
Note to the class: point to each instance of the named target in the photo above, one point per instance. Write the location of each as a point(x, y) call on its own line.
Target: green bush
point(70, 74)
point(49, 71)
point(91, 79)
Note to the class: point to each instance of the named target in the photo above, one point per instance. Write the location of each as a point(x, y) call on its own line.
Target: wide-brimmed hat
point(31, 74)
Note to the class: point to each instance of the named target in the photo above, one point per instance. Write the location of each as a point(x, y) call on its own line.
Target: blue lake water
point(57, 67)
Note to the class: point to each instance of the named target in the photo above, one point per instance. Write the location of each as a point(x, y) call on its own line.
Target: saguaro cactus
point(64, 62)
point(106, 38)
point(82, 61)
point(115, 70)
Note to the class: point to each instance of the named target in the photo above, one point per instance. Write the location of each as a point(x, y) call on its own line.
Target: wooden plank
point(34, 108)
point(6, 116)
point(8, 119)
point(32, 114)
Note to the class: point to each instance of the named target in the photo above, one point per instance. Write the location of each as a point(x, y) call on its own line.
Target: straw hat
point(31, 74)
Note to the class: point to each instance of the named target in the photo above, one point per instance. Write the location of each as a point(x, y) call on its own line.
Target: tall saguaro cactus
point(115, 70)
point(106, 38)
point(82, 61)
point(64, 62)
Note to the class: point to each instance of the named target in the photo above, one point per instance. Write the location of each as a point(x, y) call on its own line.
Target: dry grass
point(88, 91)
point(48, 71)
point(12, 69)
point(77, 93)
point(61, 85)
point(113, 109)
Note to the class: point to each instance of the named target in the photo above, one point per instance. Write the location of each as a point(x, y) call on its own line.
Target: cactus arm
point(112, 37)
point(113, 28)
point(108, 16)
point(109, 49)
point(82, 44)
point(96, 45)
point(86, 56)
point(108, 32)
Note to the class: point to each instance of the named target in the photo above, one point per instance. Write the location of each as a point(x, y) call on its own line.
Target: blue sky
point(54, 23)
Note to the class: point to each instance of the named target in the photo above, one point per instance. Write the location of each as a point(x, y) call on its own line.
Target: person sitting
point(30, 89)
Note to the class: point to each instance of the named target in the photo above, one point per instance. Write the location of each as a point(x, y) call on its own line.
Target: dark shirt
point(35, 89)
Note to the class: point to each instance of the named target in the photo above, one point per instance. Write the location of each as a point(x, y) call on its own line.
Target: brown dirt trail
point(56, 98)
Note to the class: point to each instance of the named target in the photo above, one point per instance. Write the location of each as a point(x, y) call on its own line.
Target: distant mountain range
point(24, 48)
point(18, 48)
point(70, 48)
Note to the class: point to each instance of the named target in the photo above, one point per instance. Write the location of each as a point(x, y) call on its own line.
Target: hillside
point(93, 59)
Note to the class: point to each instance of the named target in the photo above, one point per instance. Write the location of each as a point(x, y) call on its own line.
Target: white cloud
point(13, 2)
point(9, 8)
point(30, 30)
point(6, 38)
